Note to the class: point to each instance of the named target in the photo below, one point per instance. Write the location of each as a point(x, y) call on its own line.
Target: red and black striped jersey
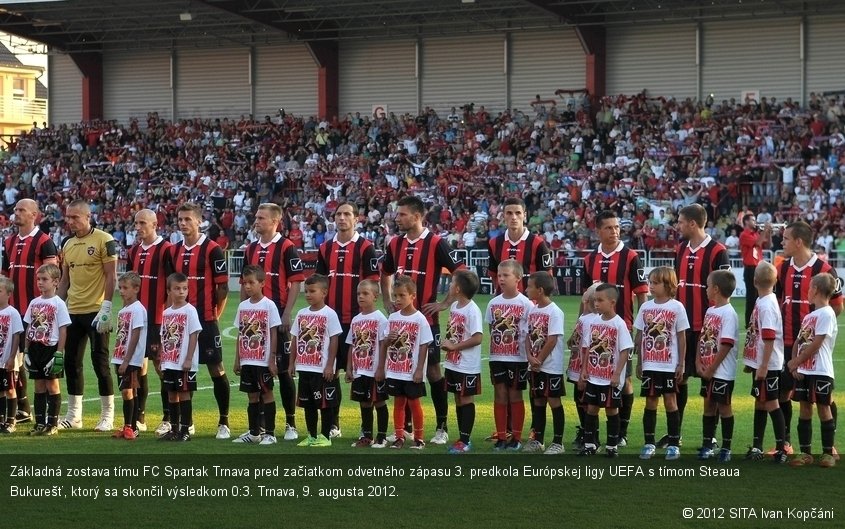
point(281, 263)
point(153, 263)
point(346, 265)
point(204, 264)
point(792, 289)
point(693, 266)
point(621, 268)
point(530, 250)
point(21, 258)
point(423, 260)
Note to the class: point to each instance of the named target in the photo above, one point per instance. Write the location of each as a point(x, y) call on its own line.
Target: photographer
point(751, 243)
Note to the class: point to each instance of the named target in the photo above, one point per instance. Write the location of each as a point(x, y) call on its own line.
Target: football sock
point(399, 408)
point(141, 397)
point(760, 419)
point(459, 418)
point(128, 411)
point(326, 421)
point(582, 413)
point(538, 421)
point(20, 389)
point(727, 431)
point(336, 413)
point(367, 422)
point(221, 395)
point(683, 394)
point(287, 392)
point(591, 423)
point(3, 410)
point(805, 435)
point(174, 416)
point(311, 417)
point(625, 413)
point(673, 425)
point(557, 424)
point(41, 408)
point(786, 408)
point(440, 399)
point(269, 410)
point(613, 430)
point(708, 431)
point(650, 424)
point(165, 416)
point(54, 406)
point(252, 411)
point(833, 412)
point(828, 429)
point(11, 410)
point(382, 418)
point(517, 416)
point(500, 414)
point(417, 414)
point(778, 427)
point(467, 422)
point(186, 415)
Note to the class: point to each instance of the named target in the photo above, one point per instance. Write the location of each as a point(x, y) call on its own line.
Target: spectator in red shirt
point(751, 243)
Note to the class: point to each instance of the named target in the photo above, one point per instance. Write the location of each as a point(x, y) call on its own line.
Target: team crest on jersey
point(296, 265)
point(547, 260)
point(90, 250)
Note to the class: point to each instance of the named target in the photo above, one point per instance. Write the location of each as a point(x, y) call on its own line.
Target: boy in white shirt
point(11, 328)
point(463, 354)
point(129, 350)
point(573, 370)
point(257, 321)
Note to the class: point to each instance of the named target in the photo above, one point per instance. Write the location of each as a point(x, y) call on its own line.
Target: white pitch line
point(97, 399)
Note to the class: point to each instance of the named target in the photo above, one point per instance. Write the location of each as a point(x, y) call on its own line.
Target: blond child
point(129, 350)
point(573, 370)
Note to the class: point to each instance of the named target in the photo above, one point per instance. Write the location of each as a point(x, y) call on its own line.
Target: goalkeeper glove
point(103, 320)
point(57, 364)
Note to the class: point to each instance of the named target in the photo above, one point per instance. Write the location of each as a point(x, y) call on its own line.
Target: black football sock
point(41, 408)
point(186, 415)
point(221, 395)
point(582, 414)
point(287, 392)
point(20, 390)
point(467, 422)
point(382, 418)
point(54, 406)
point(673, 426)
point(613, 423)
point(786, 408)
point(650, 424)
point(11, 410)
point(269, 409)
point(828, 429)
point(252, 411)
point(558, 424)
point(538, 421)
point(833, 412)
point(4, 410)
point(141, 396)
point(805, 435)
point(625, 413)
point(459, 417)
point(174, 416)
point(727, 431)
point(708, 423)
point(440, 399)
point(760, 418)
point(683, 395)
point(591, 423)
point(326, 421)
point(128, 411)
point(367, 422)
point(779, 428)
point(311, 418)
point(136, 412)
point(165, 405)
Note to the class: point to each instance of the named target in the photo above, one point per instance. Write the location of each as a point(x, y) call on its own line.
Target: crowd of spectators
point(642, 156)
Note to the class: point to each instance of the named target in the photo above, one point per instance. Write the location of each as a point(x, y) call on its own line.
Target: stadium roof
point(92, 25)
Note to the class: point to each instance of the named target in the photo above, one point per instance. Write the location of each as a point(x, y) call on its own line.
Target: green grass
point(470, 503)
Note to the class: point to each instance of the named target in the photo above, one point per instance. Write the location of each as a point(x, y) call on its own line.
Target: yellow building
point(23, 98)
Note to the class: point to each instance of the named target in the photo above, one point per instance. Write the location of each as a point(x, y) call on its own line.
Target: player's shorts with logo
point(39, 356)
point(342, 348)
point(434, 346)
point(463, 384)
point(717, 390)
point(816, 389)
point(692, 350)
point(656, 383)
point(153, 342)
point(512, 374)
point(579, 396)
point(603, 396)
point(176, 380)
point(545, 385)
point(787, 383)
point(256, 379)
point(210, 344)
point(8, 377)
point(314, 392)
point(368, 389)
point(766, 389)
point(129, 378)
point(283, 352)
point(405, 388)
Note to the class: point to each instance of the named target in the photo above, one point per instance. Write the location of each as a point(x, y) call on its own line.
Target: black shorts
point(434, 346)
point(39, 356)
point(544, 385)
point(153, 342)
point(603, 396)
point(656, 383)
point(129, 379)
point(579, 396)
point(176, 381)
point(210, 344)
point(815, 389)
point(766, 389)
point(512, 374)
point(786, 384)
point(692, 352)
point(463, 384)
point(367, 389)
point(8, 378)
point(717, 390)
point(256, 379)
point(405, 388)
point(314, 392)
point(283, 353)
point(342, 348)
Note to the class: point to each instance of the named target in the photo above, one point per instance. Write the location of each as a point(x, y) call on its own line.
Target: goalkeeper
point(48, 321)
point(89, 269)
